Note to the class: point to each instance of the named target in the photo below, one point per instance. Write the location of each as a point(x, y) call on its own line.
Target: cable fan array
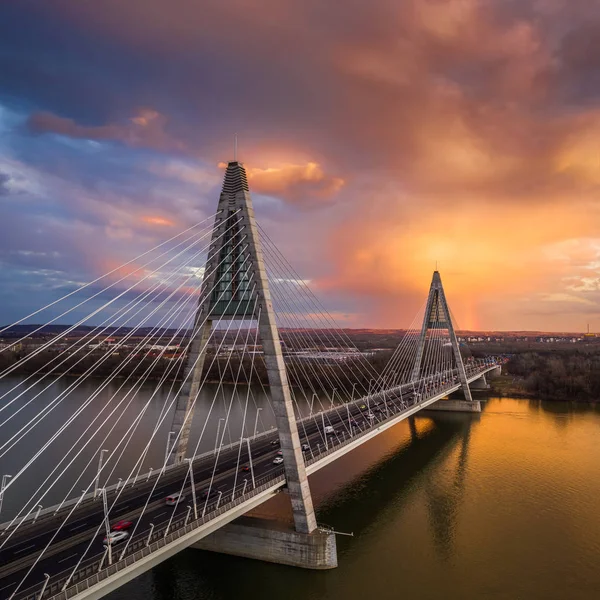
point(105, 447)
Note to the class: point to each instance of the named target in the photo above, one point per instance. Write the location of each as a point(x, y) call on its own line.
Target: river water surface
point(502, 505)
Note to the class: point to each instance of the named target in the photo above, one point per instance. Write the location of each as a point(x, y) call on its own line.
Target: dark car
point(305, 447)
point(207, 494)
point(274, 442)
point(245, 469)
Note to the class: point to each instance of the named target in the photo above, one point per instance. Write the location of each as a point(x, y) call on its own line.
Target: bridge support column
point(270, 541)
point(437, 316)
point(184, 408)
point(480, 384)
point(495, 372)
point(236, 287)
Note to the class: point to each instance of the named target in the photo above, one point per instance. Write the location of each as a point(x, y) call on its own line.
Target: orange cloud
point(305, 185)
point(158, 221)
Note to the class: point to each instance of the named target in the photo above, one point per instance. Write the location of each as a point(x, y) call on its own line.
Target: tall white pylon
point(236, 279)
point(437, 316)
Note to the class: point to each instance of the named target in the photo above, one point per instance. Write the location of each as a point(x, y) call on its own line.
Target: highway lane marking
point(160, 514)
point(23, 549)
point(68, 557)
point(78, 527)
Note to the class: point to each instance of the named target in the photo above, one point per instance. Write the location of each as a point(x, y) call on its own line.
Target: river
point(502, 505)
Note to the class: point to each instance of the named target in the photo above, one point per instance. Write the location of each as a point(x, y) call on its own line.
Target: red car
point(122, 525)
point(245, 469)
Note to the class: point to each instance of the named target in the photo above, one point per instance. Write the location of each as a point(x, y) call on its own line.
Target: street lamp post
point(218, 431)
point(150, 534)
point(46, 579)
point(245, 485)
point(107, 526)
point(187, 517)
point(37, 512)
point(5, 478)
point(168, 449)
point(219, 499)
point(312, 403)
point(250, 461)
point(349, 421)
point(324, 433)
point(256, 421)
point(149, 473)
point(189, 461)
point(97, 482)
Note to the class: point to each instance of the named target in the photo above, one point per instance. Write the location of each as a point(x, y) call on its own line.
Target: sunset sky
point(379, 138)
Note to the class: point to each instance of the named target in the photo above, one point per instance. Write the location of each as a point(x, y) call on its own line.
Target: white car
point(174, 499)
point(329, 430)
point(115, 537)
point(370, 416)
point(277, 460)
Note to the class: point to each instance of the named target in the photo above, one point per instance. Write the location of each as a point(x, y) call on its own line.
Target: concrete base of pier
point(271, 541)
point(456, 406)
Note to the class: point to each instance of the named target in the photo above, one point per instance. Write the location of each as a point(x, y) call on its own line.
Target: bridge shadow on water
point(361, 506)
point(406, 462)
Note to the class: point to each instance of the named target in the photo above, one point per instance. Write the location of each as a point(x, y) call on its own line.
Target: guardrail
point(90, 573)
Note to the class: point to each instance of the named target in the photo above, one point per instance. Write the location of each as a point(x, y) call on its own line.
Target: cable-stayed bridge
point(216, 303)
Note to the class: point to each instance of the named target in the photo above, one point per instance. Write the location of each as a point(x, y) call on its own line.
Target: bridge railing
point(90, 573)
point(335, 444)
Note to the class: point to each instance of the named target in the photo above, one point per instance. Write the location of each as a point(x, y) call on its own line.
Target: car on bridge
point(245, 469)
point(329, 430)
point(115, 537)
point(121, 525)
point(370, 416)
point(174, 499)
point(274, 442)
point(279, 452)
point(305, 447)
point(277, 460)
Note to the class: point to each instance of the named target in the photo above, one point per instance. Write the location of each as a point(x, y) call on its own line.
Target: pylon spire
point(437, 316)
point(236, 281)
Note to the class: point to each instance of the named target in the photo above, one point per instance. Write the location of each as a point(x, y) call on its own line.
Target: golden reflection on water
point(501, 506)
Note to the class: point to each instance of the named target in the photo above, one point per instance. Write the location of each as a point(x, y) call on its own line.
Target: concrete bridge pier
point(272, 541)
point(495, 372)
point(480, 384)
